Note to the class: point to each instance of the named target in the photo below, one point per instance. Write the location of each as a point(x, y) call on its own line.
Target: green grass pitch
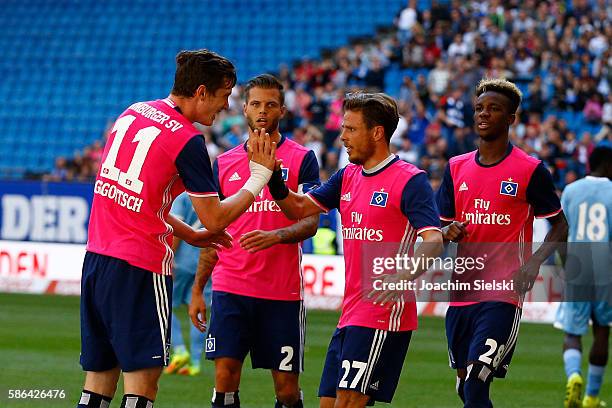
point(39, 349)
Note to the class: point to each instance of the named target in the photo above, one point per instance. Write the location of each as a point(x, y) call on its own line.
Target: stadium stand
point(70, 66)
point(87, 60)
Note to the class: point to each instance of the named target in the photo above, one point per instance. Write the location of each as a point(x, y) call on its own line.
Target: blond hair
point(501, 86)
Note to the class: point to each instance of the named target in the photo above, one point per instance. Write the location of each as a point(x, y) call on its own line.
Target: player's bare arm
point(258, 240)
point(197, 308)
point(297, 206)
point(216, 215)
point(201, 237)
point(555, 240)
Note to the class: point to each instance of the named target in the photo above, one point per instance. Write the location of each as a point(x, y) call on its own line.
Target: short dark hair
point(501, 86)
point(265, 81)
point(378, 109)
point(599, 156)
point(202, 67)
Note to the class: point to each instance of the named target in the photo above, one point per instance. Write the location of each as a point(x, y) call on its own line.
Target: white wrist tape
point(260, 175)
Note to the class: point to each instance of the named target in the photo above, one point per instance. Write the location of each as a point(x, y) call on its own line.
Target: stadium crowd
point(556, 52)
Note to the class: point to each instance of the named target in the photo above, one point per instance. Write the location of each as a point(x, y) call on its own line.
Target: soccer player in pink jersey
point(257, 305)
point(383, 202)
point(154, 153)
point(491, 195)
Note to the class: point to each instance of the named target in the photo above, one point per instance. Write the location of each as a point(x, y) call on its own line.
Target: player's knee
point(599, 355)
point(572, 341)
point(227, 377)
point(351, 399)
point(601, 334)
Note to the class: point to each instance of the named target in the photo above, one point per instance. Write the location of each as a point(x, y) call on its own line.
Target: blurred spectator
point(317, 109)
point(458, 47)
point(60, 172)
point(524, 65)
point(418, 123)
point(607, 112)
point(438, 80)
point(593, 108)
point(406, 21)
point(375, 76)
point(232, 137)
point(452, 112)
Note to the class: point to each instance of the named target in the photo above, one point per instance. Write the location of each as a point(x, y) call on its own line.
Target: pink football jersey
point(494, 200)
point(373, 221)
point(136, 184)
point(274, 273)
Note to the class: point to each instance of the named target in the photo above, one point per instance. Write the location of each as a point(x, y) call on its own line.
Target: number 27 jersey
point(152, 154)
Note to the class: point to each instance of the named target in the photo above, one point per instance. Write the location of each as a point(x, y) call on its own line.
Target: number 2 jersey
point(274, 273)
point(152, 154)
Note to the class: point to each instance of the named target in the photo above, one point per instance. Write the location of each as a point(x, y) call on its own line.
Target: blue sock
point(197, 345)
point(476, 393)
point(595, 379)
point(572, 358)
point(177, 338)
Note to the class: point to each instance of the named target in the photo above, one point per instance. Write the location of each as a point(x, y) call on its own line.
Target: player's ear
point(200, 92)
point(379, 133)
point(512, 119)
point(283, 111)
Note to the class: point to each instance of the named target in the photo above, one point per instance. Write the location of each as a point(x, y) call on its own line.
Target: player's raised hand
point(258, 240)
point(456, 231)
point(261, 149)
point(203, 238)
point(197, 311)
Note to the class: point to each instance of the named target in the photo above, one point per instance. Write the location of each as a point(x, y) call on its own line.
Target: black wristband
point(276, 185)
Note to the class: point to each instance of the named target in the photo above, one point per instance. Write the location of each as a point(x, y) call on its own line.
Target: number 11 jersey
point(152, 154)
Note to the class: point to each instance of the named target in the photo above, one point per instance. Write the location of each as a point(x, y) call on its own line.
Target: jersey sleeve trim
point(423, 229)
point(549, 215)
point(201, 195)
point(447, 219)
point(317, 203)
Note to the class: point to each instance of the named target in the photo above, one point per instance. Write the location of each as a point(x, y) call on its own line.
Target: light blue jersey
point(587, 204)
point(185, 267)
point(186, 257)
